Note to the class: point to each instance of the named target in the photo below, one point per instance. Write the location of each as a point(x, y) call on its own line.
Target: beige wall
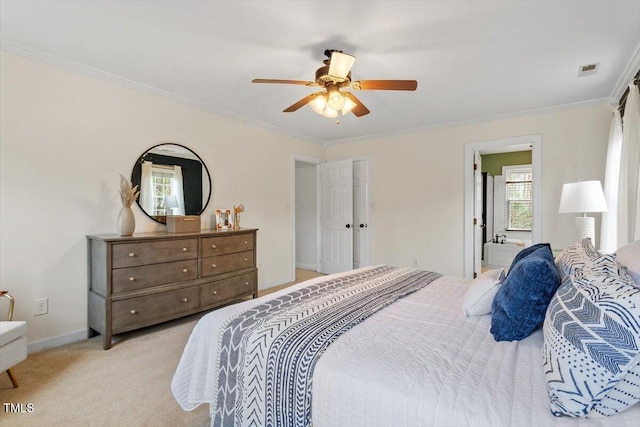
point(64, 139)
point(418, 189)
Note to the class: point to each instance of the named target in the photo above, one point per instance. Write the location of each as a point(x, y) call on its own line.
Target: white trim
point(58, 341)
point(545, 110)
point(307, 267)
point(140, 87)
point(304, 159)
point(626, 77)
point(149, 90)
point(370, 225)
point(536, 160)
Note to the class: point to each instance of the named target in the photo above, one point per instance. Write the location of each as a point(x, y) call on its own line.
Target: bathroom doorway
point(473, 222)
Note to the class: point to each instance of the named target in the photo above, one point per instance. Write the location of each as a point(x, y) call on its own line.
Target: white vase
point(126, 221)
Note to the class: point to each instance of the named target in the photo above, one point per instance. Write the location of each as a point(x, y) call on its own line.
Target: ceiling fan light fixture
point(330, 112)
point(335, 100)
point(348, 106)
point(340, 64)
point(318, 103)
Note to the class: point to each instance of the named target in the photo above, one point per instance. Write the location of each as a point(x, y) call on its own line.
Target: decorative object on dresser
point(128, 194)
point(155, 277)
point(224, 219)
point(183, 224)
point(237, 210)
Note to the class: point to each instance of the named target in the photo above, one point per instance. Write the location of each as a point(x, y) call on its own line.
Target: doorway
point(472, 223)
point(304, 216)
point(307, 205)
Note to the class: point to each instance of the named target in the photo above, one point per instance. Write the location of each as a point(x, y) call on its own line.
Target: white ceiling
point(473, 60)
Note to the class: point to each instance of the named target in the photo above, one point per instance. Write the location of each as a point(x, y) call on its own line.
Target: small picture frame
point(224, 219)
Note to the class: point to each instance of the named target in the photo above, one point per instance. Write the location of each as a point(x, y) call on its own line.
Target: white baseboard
point(307, 266)
point(58, 341)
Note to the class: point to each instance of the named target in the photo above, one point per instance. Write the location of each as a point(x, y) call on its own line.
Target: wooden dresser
point(148, 278)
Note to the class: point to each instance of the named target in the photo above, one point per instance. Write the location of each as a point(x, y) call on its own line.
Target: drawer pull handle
point(246, 283)
point(185, 299)
point(184, 249)
point(246, 259)
point(215, 292)
point(184, 270)
point(213, 246)
point(133, 312)
point(131, 279)
point(213, 265)
point(246, 243)
point(131, 254)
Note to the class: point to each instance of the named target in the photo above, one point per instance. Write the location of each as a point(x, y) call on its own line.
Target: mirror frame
point(206, 169)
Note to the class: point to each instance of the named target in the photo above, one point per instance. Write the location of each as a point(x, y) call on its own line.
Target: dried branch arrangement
point(128, 194)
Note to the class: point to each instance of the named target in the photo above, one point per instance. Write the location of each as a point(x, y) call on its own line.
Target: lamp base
point(586, 227)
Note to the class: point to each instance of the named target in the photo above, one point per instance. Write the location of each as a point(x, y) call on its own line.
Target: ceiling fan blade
point(304, 101)
point(286, 82)
point(340, 64)
point(385, 85)
point(359, 110)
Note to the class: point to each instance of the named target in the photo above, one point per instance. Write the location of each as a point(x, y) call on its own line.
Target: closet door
point(360, 213)
point(336, 217)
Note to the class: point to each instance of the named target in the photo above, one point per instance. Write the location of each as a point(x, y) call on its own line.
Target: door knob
point(361, 225)
point(348, 225)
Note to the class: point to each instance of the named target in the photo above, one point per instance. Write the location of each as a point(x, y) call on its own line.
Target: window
point(518, 197)
point(162, 183)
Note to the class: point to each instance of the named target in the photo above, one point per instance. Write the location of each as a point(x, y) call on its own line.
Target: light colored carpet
point(129, 385)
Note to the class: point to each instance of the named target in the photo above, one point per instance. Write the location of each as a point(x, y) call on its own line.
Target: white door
point(477, 214)
point(336, 217)
point(360, 213)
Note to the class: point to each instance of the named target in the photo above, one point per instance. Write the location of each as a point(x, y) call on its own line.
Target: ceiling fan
point(336, 75)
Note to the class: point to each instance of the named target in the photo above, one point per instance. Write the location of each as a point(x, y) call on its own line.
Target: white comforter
point(418, 362)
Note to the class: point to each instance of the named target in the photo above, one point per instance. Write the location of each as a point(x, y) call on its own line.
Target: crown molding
point(627, 76)
point(142, 88)
point(524, 113)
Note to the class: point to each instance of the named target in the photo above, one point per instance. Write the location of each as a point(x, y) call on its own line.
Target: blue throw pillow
point(526, 251)
point(521, 302)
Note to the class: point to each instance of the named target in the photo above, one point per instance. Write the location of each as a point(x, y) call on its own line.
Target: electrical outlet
point(41, 306)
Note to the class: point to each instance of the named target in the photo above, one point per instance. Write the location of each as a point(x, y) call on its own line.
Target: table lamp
point(169, 202)
point(583, 197)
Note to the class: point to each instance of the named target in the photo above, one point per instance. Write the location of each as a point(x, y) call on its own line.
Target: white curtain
point(177, 189)
point(629, 197)
point(146, 188)
point(609, 226)
point(621, 224)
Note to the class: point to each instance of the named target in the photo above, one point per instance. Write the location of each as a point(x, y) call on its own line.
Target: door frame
point(535, 141)
point(304, 159)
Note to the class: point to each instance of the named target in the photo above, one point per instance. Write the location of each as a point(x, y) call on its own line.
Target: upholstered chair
point(13, 341)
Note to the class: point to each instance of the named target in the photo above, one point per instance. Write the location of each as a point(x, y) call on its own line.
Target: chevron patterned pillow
point(574, 257)
point(591, 344)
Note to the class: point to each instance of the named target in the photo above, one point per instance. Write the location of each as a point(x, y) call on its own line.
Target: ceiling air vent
point(588, 70)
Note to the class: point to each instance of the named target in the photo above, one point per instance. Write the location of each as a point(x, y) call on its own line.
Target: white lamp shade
point(169, 201)
point(340, 64)
point(582, 196)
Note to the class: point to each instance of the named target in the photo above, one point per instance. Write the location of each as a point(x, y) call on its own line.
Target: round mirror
point(173, 180)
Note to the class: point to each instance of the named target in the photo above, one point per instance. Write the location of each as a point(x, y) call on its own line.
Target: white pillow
point(479, 295)
point(629, 257)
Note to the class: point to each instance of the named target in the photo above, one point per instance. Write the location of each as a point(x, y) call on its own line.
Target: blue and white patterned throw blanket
point(268, 353)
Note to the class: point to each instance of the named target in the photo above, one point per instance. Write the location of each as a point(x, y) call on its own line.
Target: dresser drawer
point(133, 278)
point(225, 289)
point(140, 310)
point(226, 263)
point(143, 253)
point(212, 246)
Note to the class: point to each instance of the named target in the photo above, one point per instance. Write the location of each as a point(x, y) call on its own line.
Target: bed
point(415, 361)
